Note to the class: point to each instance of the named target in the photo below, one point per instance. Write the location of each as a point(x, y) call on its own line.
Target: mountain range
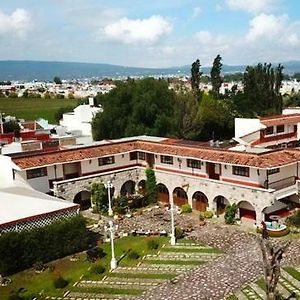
point(45, 70)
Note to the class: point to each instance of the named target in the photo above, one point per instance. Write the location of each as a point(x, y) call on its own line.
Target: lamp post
point(173, 238)
point(112, 228)
point(1, 123)
point(109, 186)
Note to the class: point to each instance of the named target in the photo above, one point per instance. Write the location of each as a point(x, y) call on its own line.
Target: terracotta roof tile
point(280, 120)
point(264, 160)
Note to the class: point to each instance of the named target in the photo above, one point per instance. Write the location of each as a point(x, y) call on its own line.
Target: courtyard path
point(241, 264)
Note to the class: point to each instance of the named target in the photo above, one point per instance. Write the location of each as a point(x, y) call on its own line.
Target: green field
point(32, 109)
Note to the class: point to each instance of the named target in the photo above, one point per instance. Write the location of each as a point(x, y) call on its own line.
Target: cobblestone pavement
point(242, 263)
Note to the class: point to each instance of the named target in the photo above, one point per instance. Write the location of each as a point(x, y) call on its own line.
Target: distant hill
point(45, 71)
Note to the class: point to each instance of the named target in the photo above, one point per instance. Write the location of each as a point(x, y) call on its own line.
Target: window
point(269, 130)
point(106, 160)
point(34, 173)
point(280, 128)
point(133, 155)
point(141, 155)
point(240, 171)
point(273, 171)
point(193, 163)
point(165, 159)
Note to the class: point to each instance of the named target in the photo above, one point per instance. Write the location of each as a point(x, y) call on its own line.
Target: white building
point(80, 119)
point(207, 178)
point(22, 207)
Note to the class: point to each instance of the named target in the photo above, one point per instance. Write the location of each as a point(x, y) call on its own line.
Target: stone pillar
point(260, 216)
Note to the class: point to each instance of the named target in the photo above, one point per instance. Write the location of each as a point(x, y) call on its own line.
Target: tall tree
point(195, 78)
point(187, 115)
point(215, 74)
point(151, 187)
point(261, 94)
point(135, 107)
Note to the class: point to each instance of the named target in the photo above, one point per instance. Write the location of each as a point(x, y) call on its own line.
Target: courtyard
point(213, 261)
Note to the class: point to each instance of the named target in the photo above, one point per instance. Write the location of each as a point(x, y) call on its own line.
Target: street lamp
point(173, 238)
point(109, 186)
point(112, 228)
point(1, 123)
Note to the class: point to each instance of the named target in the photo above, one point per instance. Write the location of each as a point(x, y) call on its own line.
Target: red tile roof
point(280, 120)
point(263, 160)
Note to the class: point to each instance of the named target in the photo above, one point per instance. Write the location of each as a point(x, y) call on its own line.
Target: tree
point(99, 197)
point(195, 78)
point(12, 126)
point(187, 115)
point(151, 187)
point(215, 74)
point(57, 80)
point(261, 94)
point(272, 256)
point(135, 107)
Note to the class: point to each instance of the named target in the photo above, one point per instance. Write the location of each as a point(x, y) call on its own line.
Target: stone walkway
point(241, 264)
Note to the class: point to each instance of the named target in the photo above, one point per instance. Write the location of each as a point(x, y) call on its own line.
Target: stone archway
point(179, 196)
point(83, 198)
point(128, 188)
point(246, 210)
point(142, 187)
point(163, 193)
point(200, 201)
point(220, 203)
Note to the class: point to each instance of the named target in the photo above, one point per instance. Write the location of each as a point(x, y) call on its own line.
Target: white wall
point(243, 126)
point(40, 184)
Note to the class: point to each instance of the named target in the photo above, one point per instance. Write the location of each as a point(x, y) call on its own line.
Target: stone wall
point(258, 198)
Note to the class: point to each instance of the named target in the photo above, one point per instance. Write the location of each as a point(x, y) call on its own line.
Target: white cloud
point(18, 23)
point(266, 26)
point(219, 7)
point(197, 11)
point(129, 31)
point(252, 6)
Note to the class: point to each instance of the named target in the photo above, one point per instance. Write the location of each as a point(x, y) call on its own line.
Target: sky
point(150, 33)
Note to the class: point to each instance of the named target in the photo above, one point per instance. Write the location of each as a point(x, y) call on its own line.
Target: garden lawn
point(34, 284)
point(32, 109)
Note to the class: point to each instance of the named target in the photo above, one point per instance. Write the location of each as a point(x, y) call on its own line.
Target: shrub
point(201, 217)
point(207, 214)
point(60, 282)
point(186, 208)
point(152, 244)
point(95, 253)
point(98, 269)
point(179, 233)
point(133, 255)
point(20, 250)
point(230, 212)
point(294, 220)
point(151, 186)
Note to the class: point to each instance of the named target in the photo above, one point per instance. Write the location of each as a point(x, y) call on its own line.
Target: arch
point(199, 201)
point(246, 210)
point(83, 198)
point(163, 193)
point(128, 188)
point(179, 196)
point(142, 187)
point(220, 204)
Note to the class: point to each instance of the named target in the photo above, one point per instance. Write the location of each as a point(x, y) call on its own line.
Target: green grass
point(32, 109)
point(174, 262)
point(207, 250)
point(106, 290)
point(261, 283)
point(293, 272)
point(142, 275)
point(35, 283)
point(232, 297)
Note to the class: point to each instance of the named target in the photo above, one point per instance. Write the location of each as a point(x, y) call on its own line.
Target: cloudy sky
point(150, 33)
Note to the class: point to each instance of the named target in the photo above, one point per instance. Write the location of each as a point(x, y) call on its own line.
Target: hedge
point(21, 250)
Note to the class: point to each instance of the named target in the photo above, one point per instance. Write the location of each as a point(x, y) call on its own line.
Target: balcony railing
point(281, 184)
